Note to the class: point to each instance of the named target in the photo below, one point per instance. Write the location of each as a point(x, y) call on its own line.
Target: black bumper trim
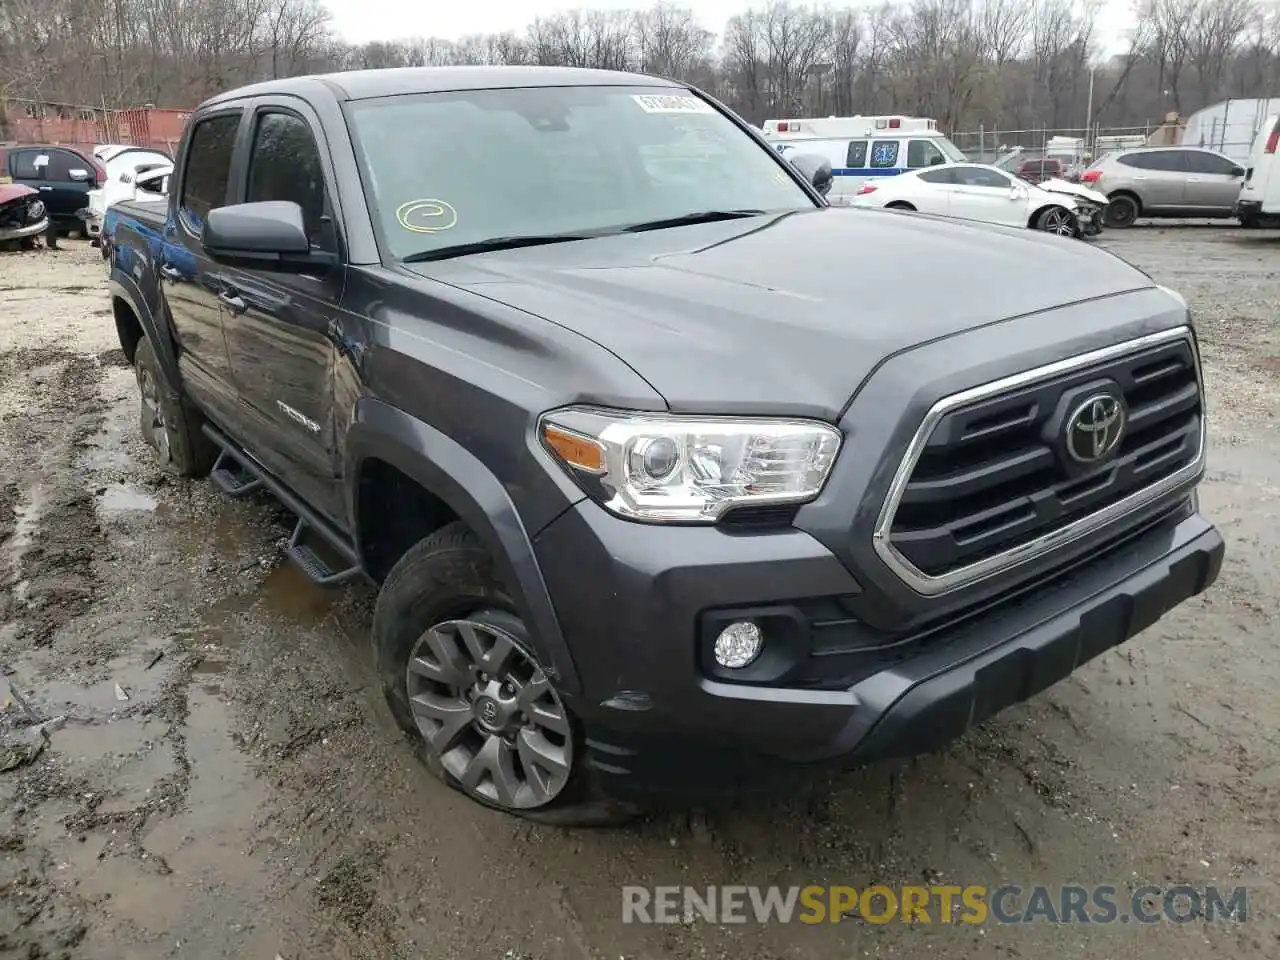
point(921, 704)
point(941, 708)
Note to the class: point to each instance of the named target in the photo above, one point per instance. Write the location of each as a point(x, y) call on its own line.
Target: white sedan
point(972, 191)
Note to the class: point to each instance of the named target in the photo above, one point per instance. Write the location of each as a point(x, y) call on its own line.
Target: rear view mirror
point(815, 169)
point(269, 235)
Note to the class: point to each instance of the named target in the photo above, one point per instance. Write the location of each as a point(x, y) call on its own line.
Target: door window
point(285, 165)
point(938, 176)
point(61, 163)
point(923, 153)
point(1197, 162)
point(981, 177)
point(857, 157)
point(1155, 160)
point(208, 169)
point(884, 154)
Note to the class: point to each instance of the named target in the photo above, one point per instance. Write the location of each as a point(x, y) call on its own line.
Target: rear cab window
point(24, 166)
point(208, 168)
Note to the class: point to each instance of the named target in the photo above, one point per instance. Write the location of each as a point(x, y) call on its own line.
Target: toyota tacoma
point(672, 480)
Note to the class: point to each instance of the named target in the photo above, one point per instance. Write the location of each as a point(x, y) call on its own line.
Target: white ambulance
point(863, 148)
point(1259, 203)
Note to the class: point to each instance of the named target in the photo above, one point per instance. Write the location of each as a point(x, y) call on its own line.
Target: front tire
point(170, 426)
point(1122, 211)
point(461, 679)
point(1059, 221)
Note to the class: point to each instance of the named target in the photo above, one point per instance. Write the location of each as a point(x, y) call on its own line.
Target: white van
point(1259, 203)
point(863, 148)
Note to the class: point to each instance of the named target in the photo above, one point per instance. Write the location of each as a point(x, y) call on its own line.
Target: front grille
point(992, 474)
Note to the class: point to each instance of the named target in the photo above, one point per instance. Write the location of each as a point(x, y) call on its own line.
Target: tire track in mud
point(48, 418)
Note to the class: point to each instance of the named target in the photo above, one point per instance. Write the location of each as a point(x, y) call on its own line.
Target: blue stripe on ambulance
point(867, 171)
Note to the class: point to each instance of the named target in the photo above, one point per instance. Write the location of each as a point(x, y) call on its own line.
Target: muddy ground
point(225, 781)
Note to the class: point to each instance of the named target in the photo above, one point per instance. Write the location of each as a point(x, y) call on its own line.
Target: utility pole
point(1088, 121)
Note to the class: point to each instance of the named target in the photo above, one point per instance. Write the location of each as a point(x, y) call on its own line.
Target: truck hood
point(791, 312)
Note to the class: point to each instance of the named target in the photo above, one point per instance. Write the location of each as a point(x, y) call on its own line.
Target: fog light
point(738, 644)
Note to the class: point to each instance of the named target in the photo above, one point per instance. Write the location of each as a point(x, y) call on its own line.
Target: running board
point(237, 474)
point(310, 562)
point(231, 477)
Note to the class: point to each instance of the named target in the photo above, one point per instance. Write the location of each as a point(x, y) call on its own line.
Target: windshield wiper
point(702, 216)
point(493, 243)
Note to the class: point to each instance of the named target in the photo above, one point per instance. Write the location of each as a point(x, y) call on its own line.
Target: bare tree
point(1006, 63)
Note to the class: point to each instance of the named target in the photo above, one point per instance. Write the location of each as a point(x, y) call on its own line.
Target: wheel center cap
point(488, 713)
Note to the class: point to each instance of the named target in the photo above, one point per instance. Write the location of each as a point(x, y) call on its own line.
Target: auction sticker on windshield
point(651, 103)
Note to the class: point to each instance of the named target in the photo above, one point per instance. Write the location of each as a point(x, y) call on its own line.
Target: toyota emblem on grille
point(1095, 427)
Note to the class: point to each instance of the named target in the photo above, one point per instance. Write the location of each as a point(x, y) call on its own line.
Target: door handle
point(46, 188)
point(233, 302)
point(170, 273)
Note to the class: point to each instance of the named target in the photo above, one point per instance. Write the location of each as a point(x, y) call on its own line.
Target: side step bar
point(237, 474)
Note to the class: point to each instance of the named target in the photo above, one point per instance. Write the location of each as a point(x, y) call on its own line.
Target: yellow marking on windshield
point(426, 216)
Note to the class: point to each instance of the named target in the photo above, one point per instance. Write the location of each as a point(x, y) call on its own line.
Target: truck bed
point(152, 213)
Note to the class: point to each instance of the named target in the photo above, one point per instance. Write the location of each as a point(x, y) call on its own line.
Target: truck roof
point(399, 81)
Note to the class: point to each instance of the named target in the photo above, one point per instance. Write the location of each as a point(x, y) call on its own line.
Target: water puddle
point(26, 520)
point(286, 591)
point(120, 498)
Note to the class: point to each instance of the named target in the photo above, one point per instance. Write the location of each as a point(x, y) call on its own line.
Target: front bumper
point(1248, 209)
point(21, 233)
point(659, 723)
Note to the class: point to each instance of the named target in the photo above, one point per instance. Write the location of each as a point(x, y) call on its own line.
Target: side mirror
point(815, 169)
point(1237, 171)
point(269, 235)
point(78, 175)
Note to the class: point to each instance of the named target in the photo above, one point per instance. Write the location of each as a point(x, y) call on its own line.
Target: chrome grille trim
point(1045, 543)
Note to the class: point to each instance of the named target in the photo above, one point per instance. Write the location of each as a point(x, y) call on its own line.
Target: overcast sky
point(362, 20)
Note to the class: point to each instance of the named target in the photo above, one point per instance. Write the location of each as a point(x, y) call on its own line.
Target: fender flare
point(447, 470)
point(123, 287)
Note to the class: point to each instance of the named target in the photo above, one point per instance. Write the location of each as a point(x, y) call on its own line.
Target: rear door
point(935, 193)
point(1213, 182)
point(191, 281)
point(278, 325)
point(1158, 178)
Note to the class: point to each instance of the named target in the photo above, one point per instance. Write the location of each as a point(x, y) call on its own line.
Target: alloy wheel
point(154, 428)
point(1059, 222)
point(489, 714)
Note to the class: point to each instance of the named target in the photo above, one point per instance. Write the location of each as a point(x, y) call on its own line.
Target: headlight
point(665, 468)
point(35, 211)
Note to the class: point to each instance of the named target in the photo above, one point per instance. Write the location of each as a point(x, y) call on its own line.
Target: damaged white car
point(131, 175)
point(1090, 204)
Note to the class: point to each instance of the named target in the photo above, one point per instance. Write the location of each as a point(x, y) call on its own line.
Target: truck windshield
point(462, 168)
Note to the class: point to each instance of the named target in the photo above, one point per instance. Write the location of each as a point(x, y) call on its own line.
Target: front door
point(63, 195)
point(987, 195)
point(1213, 183)
point(278, 325)
point(191, 281)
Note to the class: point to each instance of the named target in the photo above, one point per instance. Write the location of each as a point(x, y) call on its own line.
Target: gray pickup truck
point(672, 480)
